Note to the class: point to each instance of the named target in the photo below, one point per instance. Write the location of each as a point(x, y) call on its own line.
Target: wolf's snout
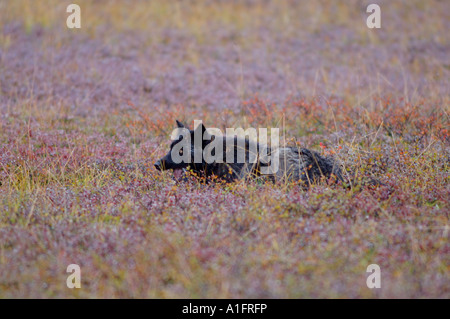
point(158, 165)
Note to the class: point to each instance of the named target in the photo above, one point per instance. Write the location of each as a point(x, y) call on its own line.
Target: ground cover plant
point(84, 114)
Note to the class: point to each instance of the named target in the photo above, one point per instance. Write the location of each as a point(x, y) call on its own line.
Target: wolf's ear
point(179, 124)
point(202, 128)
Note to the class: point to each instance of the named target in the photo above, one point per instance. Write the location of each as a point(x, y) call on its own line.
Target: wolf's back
point(308, 166)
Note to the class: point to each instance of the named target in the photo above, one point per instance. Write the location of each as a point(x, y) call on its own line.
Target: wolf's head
point(184, 147)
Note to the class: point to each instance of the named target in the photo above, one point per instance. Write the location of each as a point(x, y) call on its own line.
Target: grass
point(85, 114)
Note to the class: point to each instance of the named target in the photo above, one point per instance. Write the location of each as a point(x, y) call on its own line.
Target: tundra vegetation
point(84, 114)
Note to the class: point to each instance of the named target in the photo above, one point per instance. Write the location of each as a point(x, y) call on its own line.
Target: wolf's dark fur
point(295, 164)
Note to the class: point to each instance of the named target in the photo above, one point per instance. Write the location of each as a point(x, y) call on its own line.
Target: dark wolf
point(295, 164)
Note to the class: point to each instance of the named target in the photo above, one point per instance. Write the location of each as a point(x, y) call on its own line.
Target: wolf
point(294, 164)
